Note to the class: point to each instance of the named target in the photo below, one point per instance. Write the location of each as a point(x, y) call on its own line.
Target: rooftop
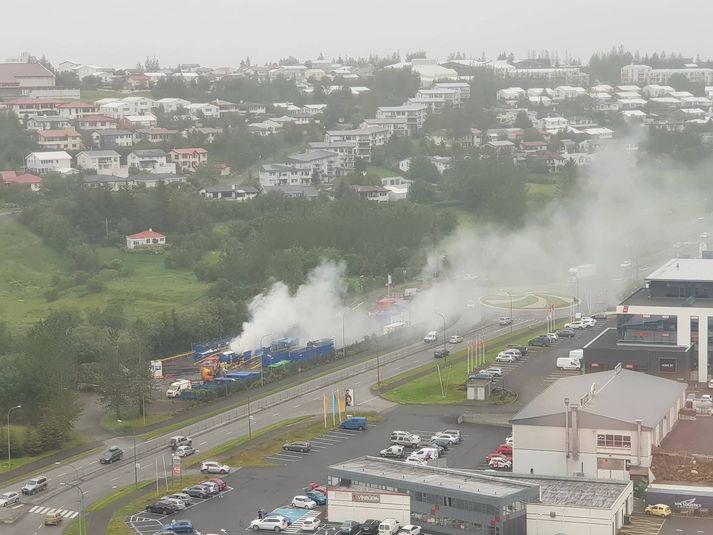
point(100, 154)
point(684, 269)
point(440, 478)
point(311, 155)
point(643, 297)
point(617, 396)
point(149, 153)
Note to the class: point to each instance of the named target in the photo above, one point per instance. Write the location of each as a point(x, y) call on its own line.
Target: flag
point(326, 408)
point(388, 279)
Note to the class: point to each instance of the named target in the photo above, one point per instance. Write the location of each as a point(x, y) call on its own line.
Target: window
point(614, 441)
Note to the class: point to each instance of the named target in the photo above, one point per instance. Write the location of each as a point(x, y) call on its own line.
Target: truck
point(156, 369)
point(175, 388)
point(680, 498)
point(391, 327)
point(584, 271)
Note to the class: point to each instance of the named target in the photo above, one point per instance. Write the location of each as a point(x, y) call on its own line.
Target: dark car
point(350, 527)
point(161, 507)
point(303, 447)
point(179, 526)
point(197, 491)
point(316, 497)
point(441, 353)
point(600, 316)
point(540, 341)
point(565, 333)
point(111, 455)
point(522, 349)
point(443, 442)
point(370, 527)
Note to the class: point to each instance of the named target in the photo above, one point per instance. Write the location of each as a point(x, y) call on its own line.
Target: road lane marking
point(115, 478)
point(204, 442)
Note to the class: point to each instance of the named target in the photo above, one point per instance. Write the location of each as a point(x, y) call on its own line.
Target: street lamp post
point(344, 342)
point(250, 421)
point(262, 368)
point(444, 332)
point(81, 505)
point(378, 364)
point(511, 318)
point(136, 473)
point(9, 457)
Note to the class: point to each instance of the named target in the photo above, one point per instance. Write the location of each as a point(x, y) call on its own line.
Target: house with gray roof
point(278, 174)
point(601, 425)
point(231, 192)
point(104, 162)
point(294, 191)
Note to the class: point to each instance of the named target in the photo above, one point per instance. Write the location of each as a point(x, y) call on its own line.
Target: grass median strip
point(116, 496)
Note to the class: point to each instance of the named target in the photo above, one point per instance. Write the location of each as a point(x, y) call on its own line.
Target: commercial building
point(665, 328)
point(601, 425)
point(645, 75)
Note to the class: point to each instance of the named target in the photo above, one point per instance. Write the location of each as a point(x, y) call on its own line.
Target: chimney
point(575, 432)
point(566, 426)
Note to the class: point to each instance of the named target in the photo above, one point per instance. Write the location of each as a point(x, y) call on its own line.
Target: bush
point(95, 285)
point(51, 295)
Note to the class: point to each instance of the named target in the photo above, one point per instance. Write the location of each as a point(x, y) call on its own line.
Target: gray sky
point(221, 32)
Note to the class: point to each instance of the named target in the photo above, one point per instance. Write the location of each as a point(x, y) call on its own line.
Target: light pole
point(444, 332)
point(378, 364)
point(81, 505)
point(9, 457)
point(250, 422)
point(262, 368)
point(511, 318)
point(136, 473)
point(344, 343)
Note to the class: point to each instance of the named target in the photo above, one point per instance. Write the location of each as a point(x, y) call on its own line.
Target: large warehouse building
point(452, 502)
point(600, 425)
point(665, 328)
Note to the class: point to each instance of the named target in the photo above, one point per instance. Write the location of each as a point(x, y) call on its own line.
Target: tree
point(522, 120)
point(421, 192)
point(360, 166)
point(422, 169)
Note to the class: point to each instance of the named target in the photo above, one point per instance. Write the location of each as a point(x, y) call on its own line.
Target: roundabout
point(528, 301)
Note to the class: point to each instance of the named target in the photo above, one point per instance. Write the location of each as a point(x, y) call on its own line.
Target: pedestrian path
point(296, 526)
point(37, 509)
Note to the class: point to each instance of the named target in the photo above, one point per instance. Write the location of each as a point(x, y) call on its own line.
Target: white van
point(568, 363)
point(425, 454)
point(431, 336)
point(389, 526)
point(576, 354)
point(175, 389)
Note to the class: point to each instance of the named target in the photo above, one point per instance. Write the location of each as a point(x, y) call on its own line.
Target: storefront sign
point(365, 497)
point(667, 364)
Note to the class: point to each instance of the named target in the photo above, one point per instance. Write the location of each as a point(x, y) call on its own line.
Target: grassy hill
point(27, 266)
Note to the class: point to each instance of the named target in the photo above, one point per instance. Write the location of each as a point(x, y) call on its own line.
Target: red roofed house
point(73, 110)
point(189, 159)
point(148, 238)
point(96, 122)
point(68, 139)
point(10, 177)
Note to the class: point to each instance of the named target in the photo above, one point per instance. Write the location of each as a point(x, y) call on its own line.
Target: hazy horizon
point(124, 33)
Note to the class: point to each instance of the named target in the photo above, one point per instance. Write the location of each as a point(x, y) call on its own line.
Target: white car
point(452, 439)
point(576, 324)
point(303, 502)
point(185, 498)
point(270, 523)
point(185, 451)
point(451, 433)
point(707, 397)
point(589, 322)
point(9, 498)
point(503, 357)
point(514, 352)
point(500, 463)
point(470, 304)
point(214, 467)
point(509, 441)
point(431, 336)
point(310, 524)
point(418, 462)
point(177, 503)
point(504, 320)
point(410, 529)
point(553, 337)
point(493, 370)
point(455, 339)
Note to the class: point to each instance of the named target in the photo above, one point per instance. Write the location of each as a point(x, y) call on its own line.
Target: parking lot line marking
point(62, 474)
point(319, 447)
point(366, 401)
point(276, 414)
point(204, 442)
point(288, 455)
point(358, 382)
point(115, 478)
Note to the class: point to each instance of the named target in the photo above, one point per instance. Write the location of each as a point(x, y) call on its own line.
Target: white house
point(73, 110)
point(372, 193)
point(364, 138)
point(282, 174)
point(397, 126)
point(346, 152)
point(48, 162)
point(552, 125)
point(152, 160)
point(322, 164)
point(148, 238)
point(601, 425)
point(47, 122)
point(171, 105)
point(189, 159)
point(104, 162)
point(232, 192)
point(415, 115)
point(205, 109)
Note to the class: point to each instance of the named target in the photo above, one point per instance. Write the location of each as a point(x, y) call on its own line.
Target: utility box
point(478, 389)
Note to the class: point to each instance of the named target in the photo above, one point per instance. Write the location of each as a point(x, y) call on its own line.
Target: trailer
point(689, 499)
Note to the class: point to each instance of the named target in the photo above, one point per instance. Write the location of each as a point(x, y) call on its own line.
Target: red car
point(222, 485)
point(497, 454)
point(505, 449)
point(318, 488)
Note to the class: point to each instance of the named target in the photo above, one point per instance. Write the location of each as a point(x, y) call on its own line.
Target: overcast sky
point(221, 32)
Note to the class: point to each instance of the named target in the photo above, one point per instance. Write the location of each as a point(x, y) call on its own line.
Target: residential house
point(552, 125)
point(323, 165)
point(47, 122)
point(510, 95)
point(398, 187)
point(148, 238)
point(56, 140)
point(138, 121)
point(428, 70)
point(371, 193)
point(282, 174)
point(125, 107)
point(16, 78)
point(462, 87)
point(655, 90)
point(25, 108)
point(567, 92)
point(73, 110)
point(171, 105)
point(154, 135)
point(207, 133)
point(108, 181)
point(265, 128)
point(155, 178)
point(189, 159)
point(532, 147)
point(231, 192)
point(151, 160)
point(599, 133)
point(345, 150)
point(138, 81)
point(645, 75)
point(397, 126)
point(96, 122)
point(112, 138)
point(441, 163)
point(293, 191)
point(449, 97)
point(415, 115)
point(500, 148)
point(204, 109)
point(48, 162)
point(364, 138)
point(224, 106)
point(252, 108)
point(445, 139)
point(551, 161)
point(104, 162)
point(10, 178)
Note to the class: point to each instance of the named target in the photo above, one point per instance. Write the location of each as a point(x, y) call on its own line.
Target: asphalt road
point(98, 481)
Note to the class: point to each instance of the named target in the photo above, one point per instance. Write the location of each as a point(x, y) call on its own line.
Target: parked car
point(213, 489)
point(522, 349)
point(9, 498)
point(497, 455)
point(404, 438)
point(552, 337)
point(350, 527)
point(455, 339)
point(514, 352)
point(213, 467)
point(222, 485)
point(482, 375)
point(179, 504)
point(424, 454)
point(589, 322)
point(509, 440)
point(429, 444)
point(303, 502)
point(316, 497)
point(659, 509)
point(53, 519)
point(185, 451)
point(410, 529)
point(505, 449)
point(271, 523)
point(393, 452)
point(565, 333)
point(493, 370)
point(451, 433)
point(303, 447)
point(179, 440)
point(431, 336)
point(359, 423)
point(35, 485)
point(413, 460)
point(540, 341)
point(180, 496)
point(162, 508)
point(317, 487)
point(444, 442)
point(370, 527)
point(502, 357)
point(504, 320)
point(453, 438)
point(576, 324)
point(500, 464)
point(180, 526)
point(197, 491)
point(113, 454)
point(441, 353)
point(310, 524)
point(600, 316)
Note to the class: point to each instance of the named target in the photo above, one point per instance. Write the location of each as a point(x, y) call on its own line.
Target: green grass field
point(545, 189)
point(27, 266)
point(381, 172)
point(88, 95)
